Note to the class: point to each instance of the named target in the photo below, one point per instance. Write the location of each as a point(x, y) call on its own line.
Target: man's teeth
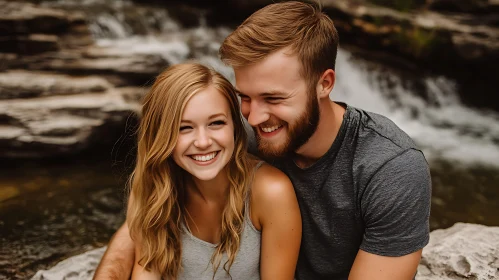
point(270, 129)
point(205, 157)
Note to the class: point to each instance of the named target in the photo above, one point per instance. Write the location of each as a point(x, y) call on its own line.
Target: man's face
point(276, 102)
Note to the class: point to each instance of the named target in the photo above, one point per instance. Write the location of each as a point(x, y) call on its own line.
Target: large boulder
point(464, 251)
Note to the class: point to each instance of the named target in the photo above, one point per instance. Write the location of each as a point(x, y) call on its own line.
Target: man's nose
point(257, 113)
point(203, 139)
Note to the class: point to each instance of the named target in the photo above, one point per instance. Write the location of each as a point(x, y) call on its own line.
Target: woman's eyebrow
point(217, 115)
point(210, 117)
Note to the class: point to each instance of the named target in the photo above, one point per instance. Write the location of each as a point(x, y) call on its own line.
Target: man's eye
point(273, 99)
point(244, 97)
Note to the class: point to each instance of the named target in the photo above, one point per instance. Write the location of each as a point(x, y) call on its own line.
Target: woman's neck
point(211, 192)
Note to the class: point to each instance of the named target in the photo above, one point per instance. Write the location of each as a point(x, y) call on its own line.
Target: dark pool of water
point(52, 210)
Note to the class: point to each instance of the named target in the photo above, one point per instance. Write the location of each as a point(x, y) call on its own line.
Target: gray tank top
point(196, 254)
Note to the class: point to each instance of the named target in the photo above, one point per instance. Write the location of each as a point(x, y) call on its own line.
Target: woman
point(200, 207)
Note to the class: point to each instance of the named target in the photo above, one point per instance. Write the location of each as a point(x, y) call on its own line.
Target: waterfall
point(432, 113)
point(428, 108)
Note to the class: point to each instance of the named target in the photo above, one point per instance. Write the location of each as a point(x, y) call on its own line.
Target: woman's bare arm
point(278, 215)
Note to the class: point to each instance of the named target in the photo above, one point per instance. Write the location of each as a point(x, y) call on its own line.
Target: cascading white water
point(443, 126)
point(432, 113)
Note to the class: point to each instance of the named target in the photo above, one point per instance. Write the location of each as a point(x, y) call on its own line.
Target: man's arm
point(117, 262)
point(374, 267)
point(396, 208)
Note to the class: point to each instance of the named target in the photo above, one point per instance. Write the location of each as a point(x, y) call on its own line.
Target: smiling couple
point(343, 193)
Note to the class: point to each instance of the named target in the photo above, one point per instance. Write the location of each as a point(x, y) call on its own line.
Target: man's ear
point(326, 83)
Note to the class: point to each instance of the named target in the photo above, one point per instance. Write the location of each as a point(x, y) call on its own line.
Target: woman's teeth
point(270, 129)
point(205, 157)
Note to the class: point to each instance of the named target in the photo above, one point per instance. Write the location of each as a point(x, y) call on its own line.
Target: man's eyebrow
point(274, 92)
point(265, 94)
point(238, 92)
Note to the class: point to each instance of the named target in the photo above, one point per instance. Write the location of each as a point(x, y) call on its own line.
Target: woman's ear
point(326, 83)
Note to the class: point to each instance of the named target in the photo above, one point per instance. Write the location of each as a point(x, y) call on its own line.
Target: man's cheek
point(245, 109)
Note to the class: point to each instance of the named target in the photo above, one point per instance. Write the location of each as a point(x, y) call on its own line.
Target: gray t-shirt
point(370, 191)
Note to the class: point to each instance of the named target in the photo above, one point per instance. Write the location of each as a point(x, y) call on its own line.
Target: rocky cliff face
point(59, 92)
point(464, 251)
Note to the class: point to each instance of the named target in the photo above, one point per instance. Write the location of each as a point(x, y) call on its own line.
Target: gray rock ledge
point(463, 251)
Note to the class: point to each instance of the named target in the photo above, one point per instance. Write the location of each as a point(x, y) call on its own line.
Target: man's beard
point(297, 135)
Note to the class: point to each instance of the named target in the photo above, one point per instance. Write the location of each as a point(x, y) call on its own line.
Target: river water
point(50, 210)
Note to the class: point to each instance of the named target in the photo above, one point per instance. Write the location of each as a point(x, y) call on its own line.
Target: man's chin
point(270, 152)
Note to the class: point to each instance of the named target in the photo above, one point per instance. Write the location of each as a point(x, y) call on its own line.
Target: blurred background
point(72, 73)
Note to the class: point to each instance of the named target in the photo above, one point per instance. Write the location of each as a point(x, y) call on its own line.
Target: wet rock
point(24, 84)
point(31, 44)
point(25, 18)
point(453, 39)
point(31, 29)
point(60, 93)
point(59, 125)
point(468, 6)
point(464, 251)
point(462, 46)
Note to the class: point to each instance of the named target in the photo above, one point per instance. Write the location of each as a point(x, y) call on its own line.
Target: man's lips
point(269, 131)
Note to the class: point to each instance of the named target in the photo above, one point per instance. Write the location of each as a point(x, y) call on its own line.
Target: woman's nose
point(203, 139)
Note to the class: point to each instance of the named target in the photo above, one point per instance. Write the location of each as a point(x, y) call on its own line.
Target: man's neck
point(323, 138)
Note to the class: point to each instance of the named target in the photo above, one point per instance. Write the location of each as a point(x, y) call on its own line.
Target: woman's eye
point(218, 123)
point(184, 128)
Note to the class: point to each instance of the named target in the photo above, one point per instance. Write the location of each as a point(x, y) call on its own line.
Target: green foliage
point(417, 41)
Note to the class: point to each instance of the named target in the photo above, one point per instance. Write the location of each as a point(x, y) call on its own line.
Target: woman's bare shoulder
point(271, 185)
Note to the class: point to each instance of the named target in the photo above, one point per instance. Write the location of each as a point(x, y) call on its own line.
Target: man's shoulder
point(378, 129)
point(378, 141)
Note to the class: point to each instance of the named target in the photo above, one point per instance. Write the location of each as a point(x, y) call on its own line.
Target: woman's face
point(206, 137)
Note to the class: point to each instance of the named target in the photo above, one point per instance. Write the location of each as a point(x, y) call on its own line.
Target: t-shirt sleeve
point(396, 206)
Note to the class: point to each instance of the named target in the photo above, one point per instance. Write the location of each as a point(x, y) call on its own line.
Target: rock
point(44, 113)
point(78, 268)
point(467, 6)
point(64, 124)
point(23, 84)
point(424, 36)
point(463, 47)
point(464, 251)
point(30, 44)
point(31, 29)
point(25, 18)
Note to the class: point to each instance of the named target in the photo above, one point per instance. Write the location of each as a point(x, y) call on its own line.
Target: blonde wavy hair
point(303, 27)
point(157, 184)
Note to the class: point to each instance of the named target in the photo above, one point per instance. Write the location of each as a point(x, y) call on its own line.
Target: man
point(362, 185)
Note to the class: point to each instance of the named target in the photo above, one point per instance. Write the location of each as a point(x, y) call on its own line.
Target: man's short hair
point(303, 27)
